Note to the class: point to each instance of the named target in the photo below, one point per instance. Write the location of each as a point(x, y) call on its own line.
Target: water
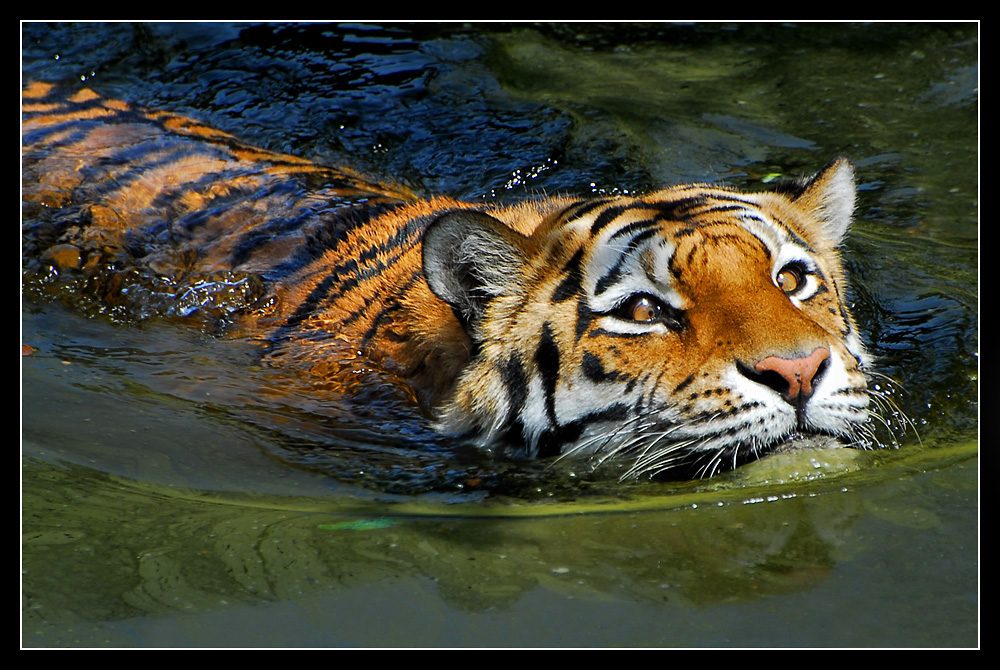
point(169, 499)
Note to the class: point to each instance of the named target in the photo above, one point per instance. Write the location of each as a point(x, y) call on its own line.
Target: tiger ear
point(469, 258)
point(829, 195)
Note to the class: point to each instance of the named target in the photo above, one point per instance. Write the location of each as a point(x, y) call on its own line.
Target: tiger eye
point(644, 310)
point(789, 279)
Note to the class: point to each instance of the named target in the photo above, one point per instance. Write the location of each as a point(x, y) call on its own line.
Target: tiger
point(681, 332)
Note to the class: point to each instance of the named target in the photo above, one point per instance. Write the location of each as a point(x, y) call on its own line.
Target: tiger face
point(693, 328)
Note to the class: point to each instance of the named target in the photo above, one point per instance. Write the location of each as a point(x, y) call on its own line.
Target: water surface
point(168, 500)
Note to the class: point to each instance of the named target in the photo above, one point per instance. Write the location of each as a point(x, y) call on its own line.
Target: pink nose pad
point(798, 372)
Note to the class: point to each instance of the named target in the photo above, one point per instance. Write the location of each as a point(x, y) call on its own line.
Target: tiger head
point(691, 329)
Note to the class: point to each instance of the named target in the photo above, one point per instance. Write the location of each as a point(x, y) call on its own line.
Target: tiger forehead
point(718, 252)
point(686, 217)
point(685, 207)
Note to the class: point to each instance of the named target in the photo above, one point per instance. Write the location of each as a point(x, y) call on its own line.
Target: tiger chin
point(678, 333)
point(685, 331)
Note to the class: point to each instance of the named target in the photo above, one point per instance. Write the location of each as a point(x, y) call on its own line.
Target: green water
point(162, 507)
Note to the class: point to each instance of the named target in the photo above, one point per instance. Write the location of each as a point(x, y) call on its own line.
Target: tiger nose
point(793, 378)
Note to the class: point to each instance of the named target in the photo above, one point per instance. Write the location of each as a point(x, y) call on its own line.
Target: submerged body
point(686, 330)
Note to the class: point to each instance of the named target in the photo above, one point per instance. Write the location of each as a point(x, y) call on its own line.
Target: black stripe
point(168, 196)
point(137, 163)
point(39, 134)
point(307, 306)
point(316, 297)
point(673, 264)
point(583, 317)
point(513, 434)
point(392, 305)
point(684, 384)
point(581, 208)
point(547, 361)
point(550, 442)
point(791, 232)
point(610, 214)
point(382, 316)
point(664, 210)
point(611, 276)
point(712, 208)
point(55, 94)
point(715, 414)
point(843, 314)
point(728, 197)
point(594, 370)
point(516, 382)
point(324, 237)
point(633, 227)
point(675, 271)
point(335, 225)
point(49, 148)
point(400, 242)
point(191, 221)
point(570, 285)
point(257, 239)
point(381, 253)
point(616, 270)
point(677, 209)
point(730, 237)
point(568, 209)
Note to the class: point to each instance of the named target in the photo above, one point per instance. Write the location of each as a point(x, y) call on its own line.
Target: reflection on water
point(198, 549)
point(114, 550)
point(171, 479)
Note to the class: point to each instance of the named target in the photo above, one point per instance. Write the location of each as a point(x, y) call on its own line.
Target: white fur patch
point(837, 202)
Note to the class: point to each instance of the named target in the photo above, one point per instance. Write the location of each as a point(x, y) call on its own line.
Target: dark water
point(164, 503)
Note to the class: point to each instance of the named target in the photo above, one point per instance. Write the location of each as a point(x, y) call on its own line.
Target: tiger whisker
point(888, 427)
point(890, 406)
point(627, 445)
point(607, 437)
point(661, 461)
point(644, 462)
point(714, 458)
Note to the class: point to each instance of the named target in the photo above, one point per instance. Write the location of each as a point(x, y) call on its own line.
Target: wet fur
point(494, 319)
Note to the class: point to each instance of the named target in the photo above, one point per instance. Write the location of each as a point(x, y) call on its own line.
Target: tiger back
point(684, 331)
